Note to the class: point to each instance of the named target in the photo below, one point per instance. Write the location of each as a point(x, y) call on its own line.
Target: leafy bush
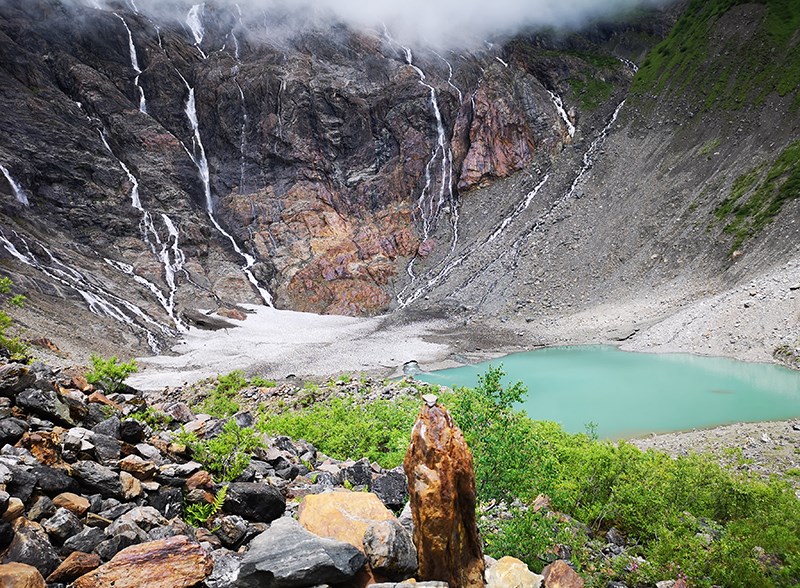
point(262, 382)
point(199, 514)
point(220, 403)
point(228, 454)
point(110, 373)
point(15, 349)
point(344, 428)
point(155, 419)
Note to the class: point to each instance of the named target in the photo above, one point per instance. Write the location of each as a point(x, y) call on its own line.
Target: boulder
point(226, 569)
point(98, 478)
point(15, 377)
point(86, 541)
point(72, 502)
point(443, 500)
point(20, 575)
point(231, 529)
point(131, 487)
point(509, 572)
point(62, 525)
point(31, 546)
point(559, 575)
point(75, 565)
point(254, 501)
point(390, 550)
point(42, 508)
point(131, 431)
point(287, 556)
point(342, 515)
point(139, 467)
point(359, 473)
point(144, 517)
point(14, 509)
point(175, 562)
point(11, 430)
point(392, 489)
point(52, 481)
point(46, 403)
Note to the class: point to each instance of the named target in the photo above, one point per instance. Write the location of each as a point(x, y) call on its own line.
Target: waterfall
point(19, 193)
point(201, 163)
point(134, 65)
point(557, 102)
point(195, 22)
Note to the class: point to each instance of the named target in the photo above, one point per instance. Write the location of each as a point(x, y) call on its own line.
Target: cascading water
point(19, 193)
point(450, 77)
point(201, 163)
point(160, 249)
point(243, 141)
point(559, 104)
point(134, 65)
point(98, 300)
point(194, 20)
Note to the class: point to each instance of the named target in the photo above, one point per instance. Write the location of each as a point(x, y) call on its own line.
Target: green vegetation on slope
point(756, 196)
point(685, 516)
point(745, 70)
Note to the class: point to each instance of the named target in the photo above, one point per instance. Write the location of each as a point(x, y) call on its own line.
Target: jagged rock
point(43, 446)
point(179, 411)
point(204, 321)
point(139, 467)
point(390, 550)
point(131, 431)
point(286, 556)
point(232, 529)
point(509, 572)
point(442, 498)
point(359, 474)
point(4, 498)
point(226, 569)
point(615, 537)
point(168, 501)
point(75, 565)
point(111, 546)
point(144, 517)
point(254, 501)
point(11, 430)
point(106, 448)
point(559, 575)
point(131, 487)
point(72, 502)
point(15, 377)
point(46, 403)
point(31, 546)
point(85, 541)
point(98, 478)
point(22, 483)
point(20, 575)
point(391, 488)
point(52, 481)
point(168, 563)
point(62, 525)
point(42, 508)
point(109, 427)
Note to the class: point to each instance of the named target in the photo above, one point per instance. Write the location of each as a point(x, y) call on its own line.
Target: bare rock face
point(442, 494)
point(168, 563)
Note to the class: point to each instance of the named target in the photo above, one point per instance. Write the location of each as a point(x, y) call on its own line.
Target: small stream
point(631, 394)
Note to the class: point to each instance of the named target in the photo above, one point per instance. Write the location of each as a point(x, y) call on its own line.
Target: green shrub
point(15, 349)
point(109, 373)
point(156, 419)
point(260, 382)
point(228, 454)
point(344, 428)
point(220, 403)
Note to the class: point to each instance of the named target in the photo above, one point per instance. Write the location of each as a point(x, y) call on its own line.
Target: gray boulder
point(97, 478)
point(46, 403)
point(15, 377)
point(392, 489)
point(288, 556)
point(62, 525)
point(31, 546)
point(390, 550)
point(256, 502)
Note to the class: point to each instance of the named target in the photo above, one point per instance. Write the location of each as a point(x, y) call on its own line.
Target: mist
point(441, 23)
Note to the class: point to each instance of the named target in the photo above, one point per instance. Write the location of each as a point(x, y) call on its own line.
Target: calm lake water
point(629, 394)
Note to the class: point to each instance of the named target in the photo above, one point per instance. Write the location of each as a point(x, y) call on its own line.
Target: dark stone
point(108, 427)
point(168, 501)
point(85, 541)
point(6, 534)
point(53, 481)
point(359, 474)
point(615, 537)
point(4, 498)
point(95, 414)
point(46, 403)
point(117, 510)
point(15, 377)
point(390, 550)
point(62, 525)
point(42, 508)
point(113, 545)
point(255, 501)
point(231, 530)
point(106, 448)
point(391, 488)
point(286, 556)
point(95, 503)
point(131, 431)
point(31, 546)
point(11, 430)
point(325, 479)
point(97, 478)
point(22, 483)
point(262, 468)
point(203, 321)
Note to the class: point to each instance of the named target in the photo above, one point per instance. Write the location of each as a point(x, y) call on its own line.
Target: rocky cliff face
point(157, 163)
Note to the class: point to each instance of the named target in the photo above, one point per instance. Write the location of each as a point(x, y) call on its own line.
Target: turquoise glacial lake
point(629, 394)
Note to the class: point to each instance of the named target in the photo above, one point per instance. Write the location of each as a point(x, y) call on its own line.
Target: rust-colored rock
point(100, 398)
point(201, 480)
point(167, 563)
point(559, 575)
point(77, 564)
point(19, 575)
point(78, 505)
point(442, 494)
point(43, 446)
